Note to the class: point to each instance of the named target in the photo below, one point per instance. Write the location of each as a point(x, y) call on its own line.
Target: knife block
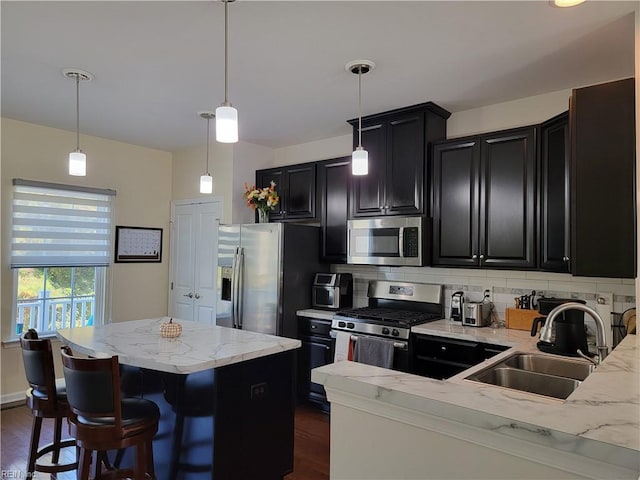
point(520, 319)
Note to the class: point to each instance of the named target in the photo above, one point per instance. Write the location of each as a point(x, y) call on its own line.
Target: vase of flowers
point(262, 199)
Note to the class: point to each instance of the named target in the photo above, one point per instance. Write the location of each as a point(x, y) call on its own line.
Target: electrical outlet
point(259, 391)
point(488, 294)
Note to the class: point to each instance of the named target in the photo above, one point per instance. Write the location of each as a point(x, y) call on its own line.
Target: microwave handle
point(401, 240)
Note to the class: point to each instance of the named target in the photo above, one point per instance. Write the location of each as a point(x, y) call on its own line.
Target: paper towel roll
point(604, 310)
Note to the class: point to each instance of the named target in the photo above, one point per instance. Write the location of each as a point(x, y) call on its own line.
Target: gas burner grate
point(389, 315)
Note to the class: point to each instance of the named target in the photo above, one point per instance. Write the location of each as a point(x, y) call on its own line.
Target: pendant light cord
point(77, 112)
point(360, 106)
point(226, 51)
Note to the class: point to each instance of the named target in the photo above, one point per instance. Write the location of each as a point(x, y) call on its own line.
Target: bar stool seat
point(47, 398)
point(101, 420)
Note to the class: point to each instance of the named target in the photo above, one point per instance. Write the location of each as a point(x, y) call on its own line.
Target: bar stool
point(101, 420)
point(191, 395)
point(47, 398)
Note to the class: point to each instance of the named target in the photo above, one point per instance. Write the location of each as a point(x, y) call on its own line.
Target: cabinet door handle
point(481, 257)
point(313, 327)
point(565, 259)
point(443, 348)
point(474, 256)
point(327, 347)
point(190, 295)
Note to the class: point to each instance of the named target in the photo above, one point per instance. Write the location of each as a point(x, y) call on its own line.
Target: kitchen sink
point(539, 374)
point(560, 367)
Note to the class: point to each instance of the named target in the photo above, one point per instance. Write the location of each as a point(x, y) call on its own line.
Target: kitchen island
point(388, 424)
point(253, 400)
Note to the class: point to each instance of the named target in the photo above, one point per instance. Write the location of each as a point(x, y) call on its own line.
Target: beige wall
point(142, 180)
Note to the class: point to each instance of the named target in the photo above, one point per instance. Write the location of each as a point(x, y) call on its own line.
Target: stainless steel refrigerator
point(265, 274)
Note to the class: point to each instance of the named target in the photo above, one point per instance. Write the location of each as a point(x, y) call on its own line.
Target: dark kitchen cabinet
point(334, 187)
point(441, 358)
point(484, 200)
point(554, 194)
point(316, 351)
point(398, 143)
point(603, 202)
point(296, 186)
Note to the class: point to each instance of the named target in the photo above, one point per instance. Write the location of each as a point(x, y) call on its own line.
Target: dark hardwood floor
point(311, 454)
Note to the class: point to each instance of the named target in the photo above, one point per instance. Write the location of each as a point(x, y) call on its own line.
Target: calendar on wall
point(138, 244)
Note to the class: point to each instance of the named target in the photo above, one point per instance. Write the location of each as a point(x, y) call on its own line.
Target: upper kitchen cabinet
point(483, 200)
point(554, 194)
point(603, 225)
point(296, 186)
point(398, 142)
point(334, 186)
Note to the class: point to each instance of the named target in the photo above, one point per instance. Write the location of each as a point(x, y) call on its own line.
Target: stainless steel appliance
point(264, 273)
point(457, 306)
point(332, 290)
point(476, 314)
point(387, 241)
point(393, 308)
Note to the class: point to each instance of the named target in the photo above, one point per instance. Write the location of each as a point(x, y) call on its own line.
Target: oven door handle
point(401, 345)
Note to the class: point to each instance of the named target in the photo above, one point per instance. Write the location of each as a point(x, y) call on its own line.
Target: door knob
point(197, 296)
point(190, 295)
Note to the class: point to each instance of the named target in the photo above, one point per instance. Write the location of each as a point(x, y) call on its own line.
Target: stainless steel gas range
point(393, 308)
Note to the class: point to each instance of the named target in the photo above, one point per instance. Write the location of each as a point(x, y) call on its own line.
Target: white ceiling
point(156, 64)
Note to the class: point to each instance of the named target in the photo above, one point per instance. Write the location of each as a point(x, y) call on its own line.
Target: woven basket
point(170, 330)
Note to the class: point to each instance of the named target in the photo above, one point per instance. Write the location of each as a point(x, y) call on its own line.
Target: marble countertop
point(600, 419)
point(316, 313)
point(200, 347)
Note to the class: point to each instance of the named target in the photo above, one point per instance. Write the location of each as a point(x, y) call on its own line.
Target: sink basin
point(540, 374)
point(525, 381)
point(550, 365)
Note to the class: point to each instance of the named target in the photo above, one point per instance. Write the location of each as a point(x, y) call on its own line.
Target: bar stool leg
point(35, 440)
point(177, 444)
point(57, 439)
point(150, 467)
point(85, 464)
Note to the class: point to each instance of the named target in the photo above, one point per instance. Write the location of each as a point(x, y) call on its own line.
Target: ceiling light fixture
point(77, 158)
point(566, 3)
point(360, 157)
point(206, 180)
point(226, 115)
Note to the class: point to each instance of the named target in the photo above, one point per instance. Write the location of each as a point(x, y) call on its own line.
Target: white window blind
point(60, 225)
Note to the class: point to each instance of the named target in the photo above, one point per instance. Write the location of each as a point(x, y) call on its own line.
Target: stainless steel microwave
point(390, 240)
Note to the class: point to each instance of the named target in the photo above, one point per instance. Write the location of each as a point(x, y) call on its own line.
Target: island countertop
point(200, 347)
point(599, 420)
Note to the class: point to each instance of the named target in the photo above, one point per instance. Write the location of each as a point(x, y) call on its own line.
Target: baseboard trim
point(11, 399)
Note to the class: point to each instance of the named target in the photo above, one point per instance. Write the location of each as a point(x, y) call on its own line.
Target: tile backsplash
point(504, 285)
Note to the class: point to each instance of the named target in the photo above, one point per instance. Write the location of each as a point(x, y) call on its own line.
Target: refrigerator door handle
point(234, 289)
point(240, 285)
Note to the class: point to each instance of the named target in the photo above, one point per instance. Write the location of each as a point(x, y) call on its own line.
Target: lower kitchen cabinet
point(317, 350)
point(441, 358)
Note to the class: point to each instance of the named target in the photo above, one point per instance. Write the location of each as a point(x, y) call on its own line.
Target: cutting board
point(520, 319)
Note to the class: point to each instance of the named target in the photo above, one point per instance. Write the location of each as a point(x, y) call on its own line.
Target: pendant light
point(226, 115)
point(206, 180)
point(77, 158)
point(360, 157)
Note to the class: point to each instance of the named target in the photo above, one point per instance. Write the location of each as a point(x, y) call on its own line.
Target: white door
point(194, 247)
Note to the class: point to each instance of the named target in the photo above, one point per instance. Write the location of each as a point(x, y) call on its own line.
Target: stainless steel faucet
point(601, 341)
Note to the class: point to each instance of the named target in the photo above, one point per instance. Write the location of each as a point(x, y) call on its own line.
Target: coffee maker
point(570, 334)
point(457, 306)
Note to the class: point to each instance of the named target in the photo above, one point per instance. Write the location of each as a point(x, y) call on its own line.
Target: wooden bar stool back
point(101, 420)
point(46, 398)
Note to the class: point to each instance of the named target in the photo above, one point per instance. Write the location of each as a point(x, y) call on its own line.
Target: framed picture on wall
point(138, 245)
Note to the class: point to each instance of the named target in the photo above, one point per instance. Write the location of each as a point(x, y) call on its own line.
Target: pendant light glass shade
point(77, 164)
point(360, 162)
point(206, 184)
point(77, 159)
point(226, 124)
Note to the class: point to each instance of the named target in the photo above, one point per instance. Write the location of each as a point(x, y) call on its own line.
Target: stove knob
point(395, 332)
point(342, 324)
point(351, 325)
point(385, 331)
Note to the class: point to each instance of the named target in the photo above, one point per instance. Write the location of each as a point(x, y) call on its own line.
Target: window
point(60, 250)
